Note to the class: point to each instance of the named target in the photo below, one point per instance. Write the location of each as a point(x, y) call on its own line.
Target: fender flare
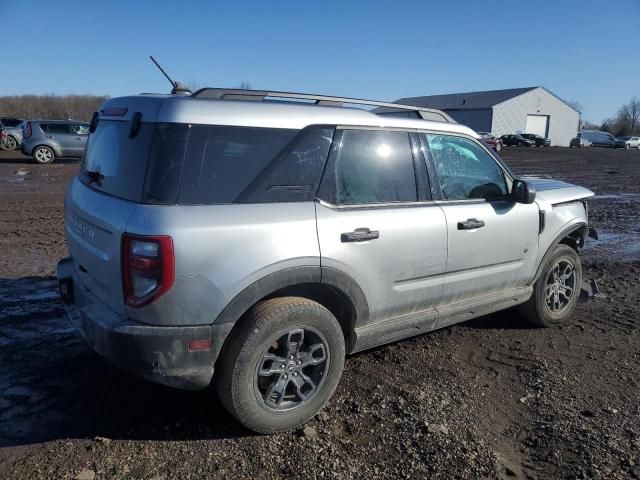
point(291, 277)
point(563, 234)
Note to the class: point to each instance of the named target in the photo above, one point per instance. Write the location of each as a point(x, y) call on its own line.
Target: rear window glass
point(114, 163)
point(204, 164)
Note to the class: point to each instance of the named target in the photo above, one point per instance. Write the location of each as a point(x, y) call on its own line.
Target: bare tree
point(77, 107)
point(576, 105)
point(628, 118)
point(245, 86)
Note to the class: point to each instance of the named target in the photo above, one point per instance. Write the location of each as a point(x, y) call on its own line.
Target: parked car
point(490, 140)
point(628, 142)
point(598, 138)
point(252, 244)
point(578, 141)
point(12, 133)
point(46, 140)
point(517, 140)
point(539, 141)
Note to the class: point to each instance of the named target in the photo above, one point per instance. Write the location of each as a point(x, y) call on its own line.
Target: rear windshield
point(204, 164)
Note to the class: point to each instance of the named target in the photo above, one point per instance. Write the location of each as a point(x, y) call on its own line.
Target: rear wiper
point(93, 176)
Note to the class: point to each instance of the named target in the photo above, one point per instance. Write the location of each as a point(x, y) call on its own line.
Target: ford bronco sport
point(237, 239)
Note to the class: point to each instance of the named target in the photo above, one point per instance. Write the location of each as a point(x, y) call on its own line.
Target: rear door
point(61, 134)
point(492, 241)
point(377, 223)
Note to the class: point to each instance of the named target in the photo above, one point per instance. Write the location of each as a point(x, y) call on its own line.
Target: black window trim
point(333, 150)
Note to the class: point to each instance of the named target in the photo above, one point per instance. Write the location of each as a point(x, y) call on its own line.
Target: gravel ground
point(490, 398)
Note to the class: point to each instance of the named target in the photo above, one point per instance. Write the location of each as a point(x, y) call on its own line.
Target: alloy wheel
point(292, 369)
point(560, 287)
point(44, 155)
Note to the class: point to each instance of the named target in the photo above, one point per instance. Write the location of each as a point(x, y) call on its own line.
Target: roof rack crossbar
point(259, 95)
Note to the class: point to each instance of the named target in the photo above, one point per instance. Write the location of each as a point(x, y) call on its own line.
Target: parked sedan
point(517, 140)
point(628, 142)
point(540, 141)
point(491, 141)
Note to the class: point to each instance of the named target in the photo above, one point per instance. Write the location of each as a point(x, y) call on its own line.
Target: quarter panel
point(232, 246)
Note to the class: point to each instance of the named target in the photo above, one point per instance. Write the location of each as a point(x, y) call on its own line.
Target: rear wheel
point(520, 144)
point(556, 292)
point(283, 364)
point(43, 154)
point(9, 144)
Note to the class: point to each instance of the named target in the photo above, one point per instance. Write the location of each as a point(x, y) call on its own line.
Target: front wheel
point(282, 365)
point(556, 292)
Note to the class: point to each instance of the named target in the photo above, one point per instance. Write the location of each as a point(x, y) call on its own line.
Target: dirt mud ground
point(491, 398)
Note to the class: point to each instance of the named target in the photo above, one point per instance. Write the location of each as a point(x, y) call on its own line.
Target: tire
point(264, 358)
point(520, 144)
point(43, 154)
point(10, 144)
point(537, 309)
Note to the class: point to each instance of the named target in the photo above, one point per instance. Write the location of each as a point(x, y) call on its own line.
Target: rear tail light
point(28, 130)
point(148, 268)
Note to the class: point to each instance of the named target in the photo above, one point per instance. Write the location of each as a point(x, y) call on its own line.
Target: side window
point(222, 162)
point(80, 129)
point(58, 128)
point(368, 167)
point(464, 169)
point(294, 175)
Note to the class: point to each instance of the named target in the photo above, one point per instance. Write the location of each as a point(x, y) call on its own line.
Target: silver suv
point(46, 140)
point(233, 238)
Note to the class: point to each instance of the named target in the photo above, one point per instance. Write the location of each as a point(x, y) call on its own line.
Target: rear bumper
point(159, 354)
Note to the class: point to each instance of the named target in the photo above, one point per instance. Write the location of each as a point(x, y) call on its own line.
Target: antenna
point(178, 88)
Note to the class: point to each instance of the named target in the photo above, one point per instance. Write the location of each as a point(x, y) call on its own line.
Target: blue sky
point(588, 51)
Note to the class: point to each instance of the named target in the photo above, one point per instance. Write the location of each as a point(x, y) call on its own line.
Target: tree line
point(50, 107)
point(625, 122)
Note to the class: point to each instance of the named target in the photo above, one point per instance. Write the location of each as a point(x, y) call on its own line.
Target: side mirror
point(522, 192)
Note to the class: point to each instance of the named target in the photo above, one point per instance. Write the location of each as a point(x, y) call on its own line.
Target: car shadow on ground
point(18, 157)
point(53, 386)
point(508, 319)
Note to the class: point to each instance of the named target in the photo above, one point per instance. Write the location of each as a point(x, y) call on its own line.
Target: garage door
point(537, 124)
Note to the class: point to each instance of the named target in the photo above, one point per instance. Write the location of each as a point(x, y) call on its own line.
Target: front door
point(376, 225)
point(492, 241)
point(79, 135)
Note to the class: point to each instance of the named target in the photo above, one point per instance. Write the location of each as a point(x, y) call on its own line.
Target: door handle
point(49, 136)
point(470, 224)
point(359, 235)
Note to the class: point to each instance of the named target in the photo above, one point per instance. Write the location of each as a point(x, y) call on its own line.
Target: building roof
point(467, 100)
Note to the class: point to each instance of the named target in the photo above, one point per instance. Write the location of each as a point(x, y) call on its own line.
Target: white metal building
point(516, 110)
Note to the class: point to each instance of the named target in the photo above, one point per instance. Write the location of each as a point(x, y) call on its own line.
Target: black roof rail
point(383, 108)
